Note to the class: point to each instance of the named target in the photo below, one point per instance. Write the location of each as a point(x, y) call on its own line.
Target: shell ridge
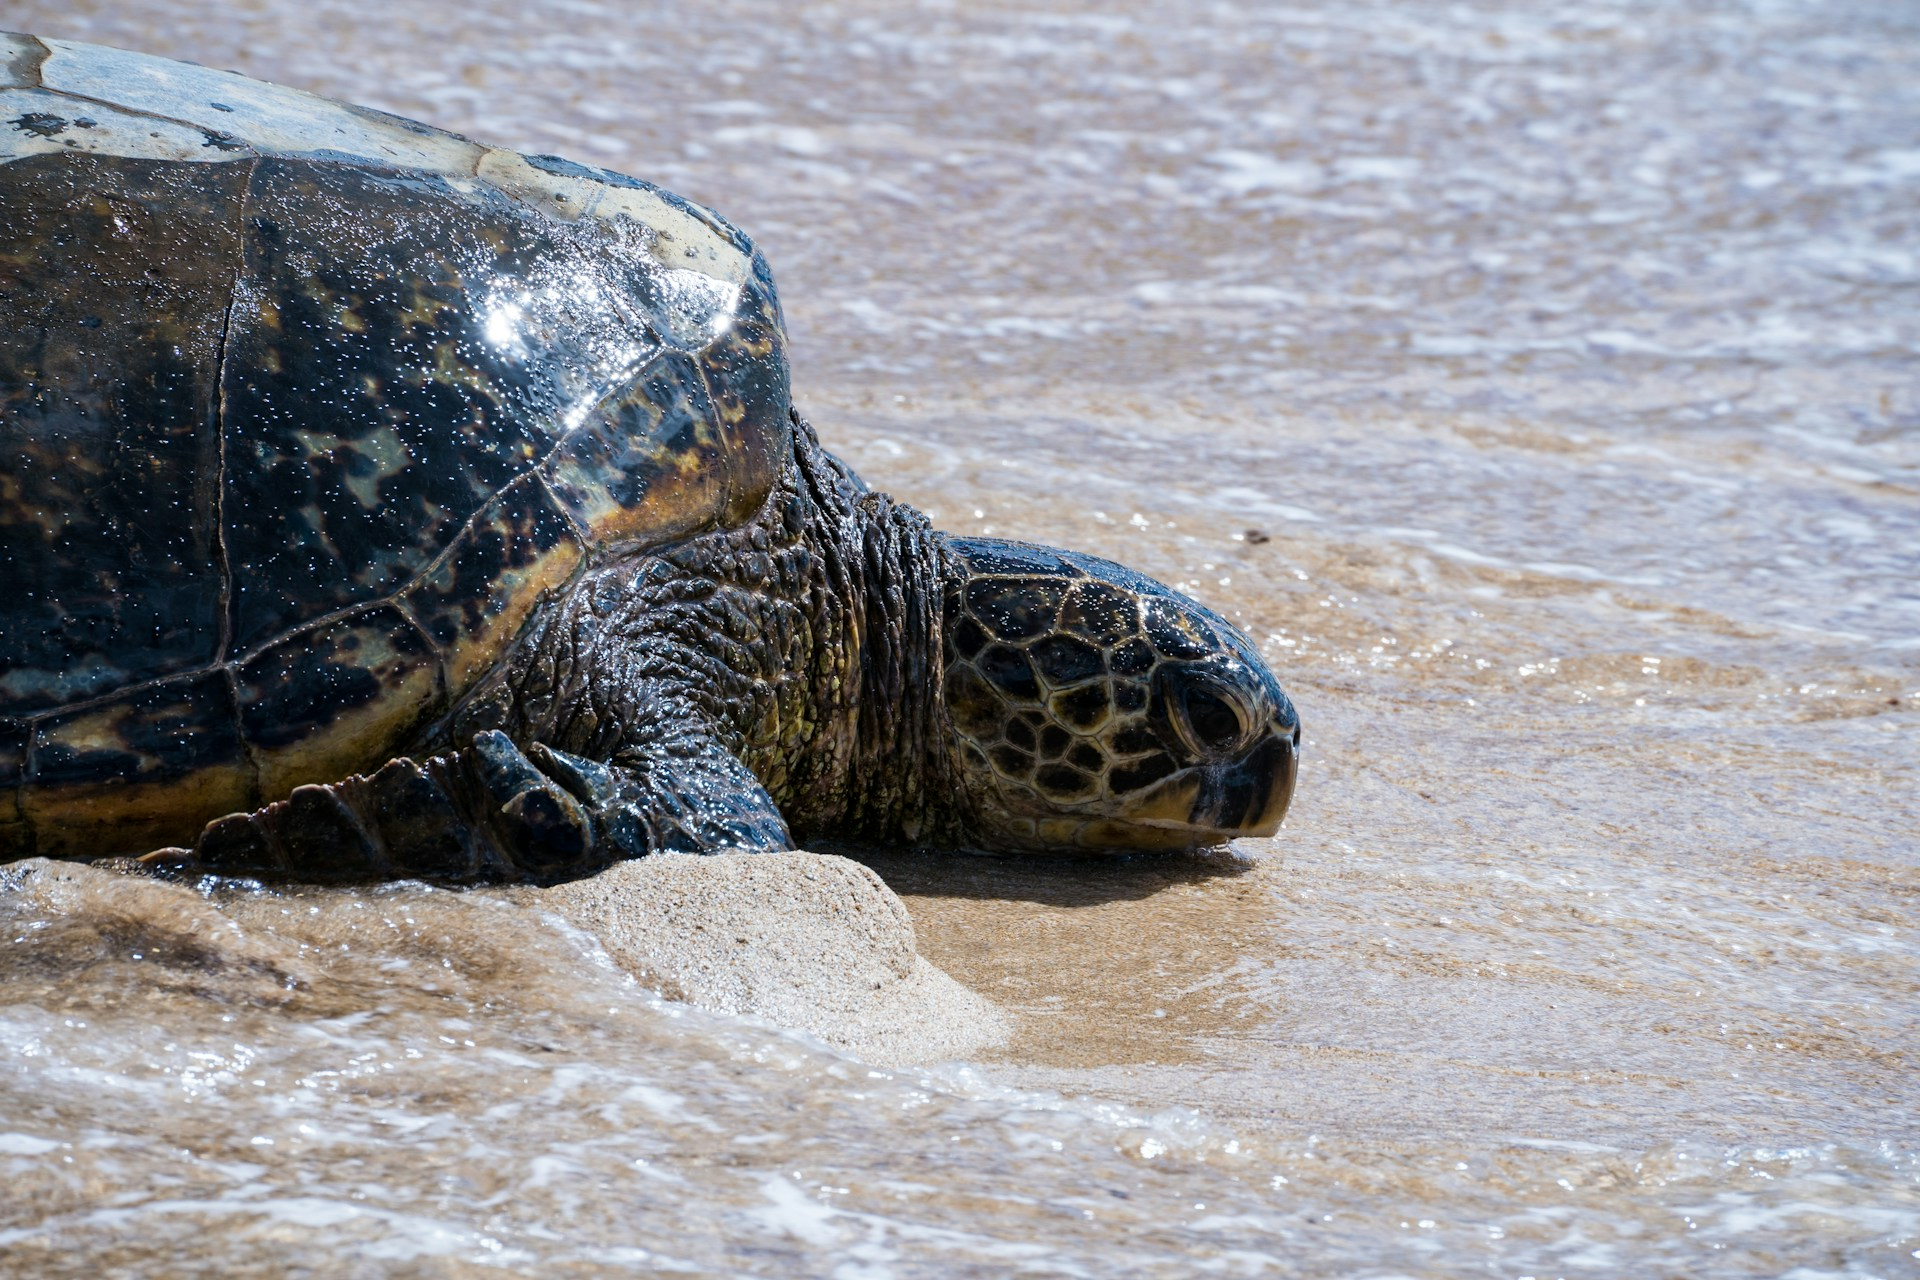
point(230, 679)
point(603, 182)
point(535, 470)
point(729, 481)
point(535, 473)
point(280, 120)
point(441, 682)
point(560, 166)
point(513, 197)
point(580, 531)
point(220, 420)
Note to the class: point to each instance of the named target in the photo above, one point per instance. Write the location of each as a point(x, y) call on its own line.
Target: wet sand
point(804, 941)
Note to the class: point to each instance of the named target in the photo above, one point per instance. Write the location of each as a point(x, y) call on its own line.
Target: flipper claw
point(545, 828)
point(589, 781)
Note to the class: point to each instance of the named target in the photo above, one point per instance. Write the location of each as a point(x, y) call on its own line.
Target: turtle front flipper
point(680, 793)
point(692, 795)
point(493, 812)
point(487, 813)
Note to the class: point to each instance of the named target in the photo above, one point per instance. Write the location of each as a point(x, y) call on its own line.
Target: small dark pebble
point(1257, 536)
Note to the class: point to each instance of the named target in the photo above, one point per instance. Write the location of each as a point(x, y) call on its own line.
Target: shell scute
point(379, 386)
point(475, 600)
point(746, 373)
point(16, 837)
point(1015, 608)
point(273, 119)
point(108, 402)
point(39, 122)
point(589, 177)
point(114, 772)
point(651, 464)
point(322, 702)
point(164, 730)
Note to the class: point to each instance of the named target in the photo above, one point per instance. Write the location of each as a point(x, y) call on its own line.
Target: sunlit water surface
point(1535, 383)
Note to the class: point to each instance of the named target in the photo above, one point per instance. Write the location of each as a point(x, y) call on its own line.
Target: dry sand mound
point(805, 940)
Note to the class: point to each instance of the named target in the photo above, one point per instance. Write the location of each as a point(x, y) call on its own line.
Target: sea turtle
point(326, 436)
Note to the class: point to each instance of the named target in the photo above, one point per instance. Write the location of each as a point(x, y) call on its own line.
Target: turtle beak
point(1241, 798)
point(1248, 796)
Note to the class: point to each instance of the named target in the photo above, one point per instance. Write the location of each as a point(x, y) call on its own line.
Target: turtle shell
point(303, 407)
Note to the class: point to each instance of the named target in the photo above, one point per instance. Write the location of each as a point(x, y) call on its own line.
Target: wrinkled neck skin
point(806, 642)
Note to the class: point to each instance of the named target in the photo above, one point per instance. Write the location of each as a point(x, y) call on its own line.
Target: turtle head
point(1095, 710)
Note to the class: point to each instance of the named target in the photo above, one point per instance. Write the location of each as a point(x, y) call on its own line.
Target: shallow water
point(1535, 383)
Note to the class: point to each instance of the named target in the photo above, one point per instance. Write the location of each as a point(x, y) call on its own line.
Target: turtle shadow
point(1054, 882)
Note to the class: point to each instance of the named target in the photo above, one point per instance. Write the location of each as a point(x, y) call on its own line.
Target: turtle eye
point(1209, 717)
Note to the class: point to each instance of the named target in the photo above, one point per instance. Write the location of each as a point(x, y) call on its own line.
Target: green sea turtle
point(430, 509)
